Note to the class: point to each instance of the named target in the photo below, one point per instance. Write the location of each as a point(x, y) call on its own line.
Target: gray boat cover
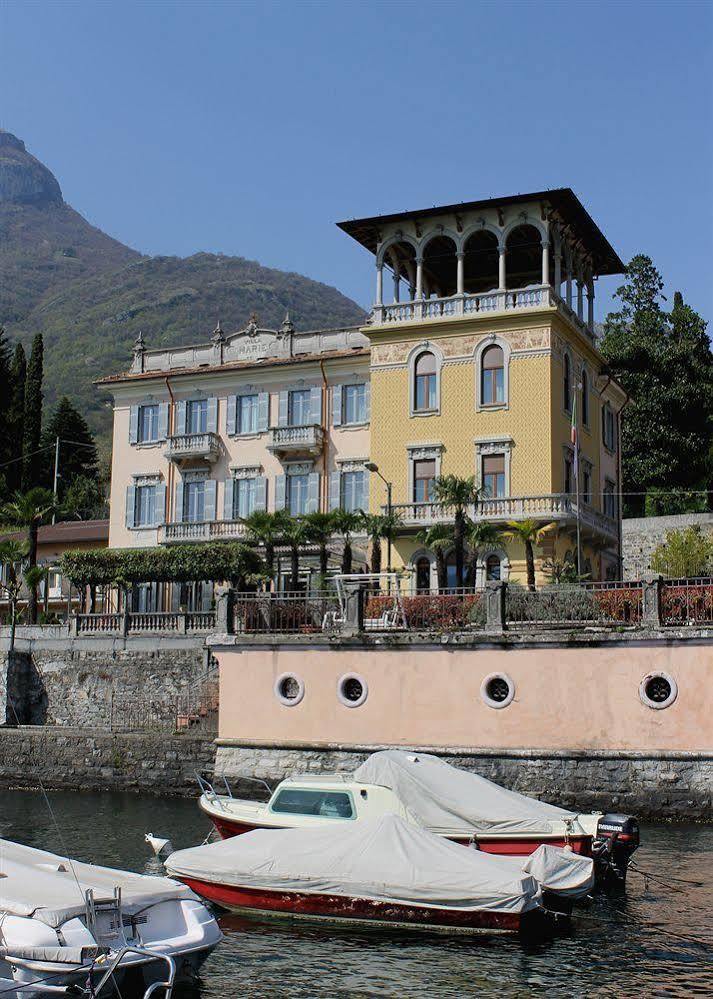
point(447, 800)
point(382, 858)
point(559, 870)
point(44, 886)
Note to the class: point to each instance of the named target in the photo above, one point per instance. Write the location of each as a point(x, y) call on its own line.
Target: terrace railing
point(283, 613)
point(194, 710)
point(687, 601)
point(152, 622)
point(563, 606)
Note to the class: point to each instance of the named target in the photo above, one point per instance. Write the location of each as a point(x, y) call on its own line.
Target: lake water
point(656, 940)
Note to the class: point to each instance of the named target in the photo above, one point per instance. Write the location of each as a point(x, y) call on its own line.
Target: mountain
point(89, 295)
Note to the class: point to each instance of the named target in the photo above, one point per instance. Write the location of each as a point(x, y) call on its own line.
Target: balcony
point(559, 508)
point(189, 447)
point(296, 441)
point(213, 530)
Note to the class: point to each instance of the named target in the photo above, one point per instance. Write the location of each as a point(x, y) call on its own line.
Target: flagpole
point(576, 462)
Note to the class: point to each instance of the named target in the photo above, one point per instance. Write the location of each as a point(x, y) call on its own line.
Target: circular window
point(289, 689)
point(497, 690)
point(352, 690)
point(658, 690)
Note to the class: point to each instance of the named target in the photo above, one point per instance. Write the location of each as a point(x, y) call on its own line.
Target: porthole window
point(352, 690)
point(658, 690)
point(497, 690)
point(289, 689)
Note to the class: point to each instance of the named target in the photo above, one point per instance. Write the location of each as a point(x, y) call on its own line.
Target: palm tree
point(530, 533)
point(29, 510)
point(295, 534)
point(12, 553)
point(479, 536)
point(320, 528)
point(378, 526)
point(347, 523)
point(438, 538)
point(459, 493)
point(266, 529)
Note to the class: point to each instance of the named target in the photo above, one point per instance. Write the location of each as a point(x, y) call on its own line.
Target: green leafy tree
point(266, 529)
point(458, 493)
point(30, 510)
point(684, 554)
point(529, 533)
point(83, 500)
point(320, 530)
point(378, 526)
point(438, 538)
point(663, 360)
point(11, 555)
point(347, 523)
point(16, 413)
point(78, 453)
point(32, 462)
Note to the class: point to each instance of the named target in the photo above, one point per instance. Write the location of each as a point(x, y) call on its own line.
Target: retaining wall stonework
point(641, 535)
point(654, 786)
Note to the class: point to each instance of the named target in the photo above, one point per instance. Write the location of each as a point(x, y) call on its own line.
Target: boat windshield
point(304, 801)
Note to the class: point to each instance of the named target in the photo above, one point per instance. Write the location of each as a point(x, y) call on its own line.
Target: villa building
point(474, 368)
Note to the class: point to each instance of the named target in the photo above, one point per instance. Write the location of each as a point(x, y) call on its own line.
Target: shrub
point(684, 554)
point(434, 611)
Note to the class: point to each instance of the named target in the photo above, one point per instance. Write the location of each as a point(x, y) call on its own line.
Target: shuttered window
point(494, 475)
point(297, 494)
point(197, 416)
point(424, 478)
point(148, 423)
point(299, 408)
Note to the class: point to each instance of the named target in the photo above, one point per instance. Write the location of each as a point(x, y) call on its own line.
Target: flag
point(573, 438)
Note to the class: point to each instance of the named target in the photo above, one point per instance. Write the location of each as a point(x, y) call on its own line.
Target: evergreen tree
point(664, 361)
point(78, 453)
point(16, 395)
point(5, 405)
point(32, 462)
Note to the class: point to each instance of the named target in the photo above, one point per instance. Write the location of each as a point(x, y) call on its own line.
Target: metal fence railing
point(687, 601)
point(193, 710)
point(455, 609)
point(284, 613)
point(610, 603)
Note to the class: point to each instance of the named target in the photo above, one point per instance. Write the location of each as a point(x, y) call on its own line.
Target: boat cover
point(447, 800)
point(560, 870)
point(381, 858)
point(44, 886)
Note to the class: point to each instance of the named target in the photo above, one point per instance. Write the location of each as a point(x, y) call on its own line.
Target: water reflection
point(656, 940)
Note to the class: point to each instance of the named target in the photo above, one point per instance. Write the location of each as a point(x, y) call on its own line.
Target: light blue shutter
point(312, 493)
point(335, 483)
point(160, 505)
point(364, 492)
point(367, 402)
point(163, 421)
point(261, 493)
point(134, 425)
point(315, 405)
point(181, 417)
point(210, 496)
point(337, 406)
point(263, 412)
point(178, 512)
point(228, 498)
point(231, 416)
point(280, 492)
point(212, 422)
point(130, 506)
point(282, 412)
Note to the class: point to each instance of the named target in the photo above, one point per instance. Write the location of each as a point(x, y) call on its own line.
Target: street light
point(371, 466)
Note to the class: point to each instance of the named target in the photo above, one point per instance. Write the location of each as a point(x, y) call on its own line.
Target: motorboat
point(383, 871)
point(64, 923)
point(428, 792)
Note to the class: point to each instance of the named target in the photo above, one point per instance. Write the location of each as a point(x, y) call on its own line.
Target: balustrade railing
point(146, 622)
point(204, 531)
point(205, 444)
point(466, 304)
point(555, 506)
point(309, 437)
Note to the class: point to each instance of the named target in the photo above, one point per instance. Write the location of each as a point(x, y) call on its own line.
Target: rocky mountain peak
point(23, 179)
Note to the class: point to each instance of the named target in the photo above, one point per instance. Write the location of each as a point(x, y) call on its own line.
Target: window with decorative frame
point(425, 388)
point(492, 376)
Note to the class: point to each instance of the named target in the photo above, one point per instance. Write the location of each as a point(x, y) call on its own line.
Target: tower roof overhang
point(562, 201)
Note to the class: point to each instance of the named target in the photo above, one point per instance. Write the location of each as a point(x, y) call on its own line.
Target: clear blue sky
point(250, 128)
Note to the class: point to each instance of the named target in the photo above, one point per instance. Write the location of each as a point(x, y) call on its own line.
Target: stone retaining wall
point(654, 786)
point(641, 535)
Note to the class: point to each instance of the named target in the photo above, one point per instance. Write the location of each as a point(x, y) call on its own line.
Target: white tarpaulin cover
point(382, 858)
point(447, 800)
point(42, 885)
point(560, 870)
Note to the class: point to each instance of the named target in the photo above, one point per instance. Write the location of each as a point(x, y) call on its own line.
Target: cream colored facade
point(515, 274)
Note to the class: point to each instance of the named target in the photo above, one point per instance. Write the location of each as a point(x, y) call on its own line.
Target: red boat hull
point(515, 847)
point(338, 907)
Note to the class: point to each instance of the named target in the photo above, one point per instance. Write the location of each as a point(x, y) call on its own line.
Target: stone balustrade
point(213, 530)
point(307, 439)
point(180, 447)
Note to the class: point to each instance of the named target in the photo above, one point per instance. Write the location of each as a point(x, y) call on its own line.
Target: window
point(354, 404)
point(497, 690)
point(492, 385)
point(586, 482)
point(424, 479)
point(299, 412)
point(297, 487)
point(423, 575)
point(425, 383)
point(352, 490)
point(585, 399)
point(303, 801)
point(569, 473)
point(609, 500)
point(53, 587)
point(244, 495)
point(608, 428)
point(145, 506)
point(246, 415)
point(197, 416)
point(492, 568)
point(194, 502)
point(494, 475)
point(148, 423)
point(567, 385)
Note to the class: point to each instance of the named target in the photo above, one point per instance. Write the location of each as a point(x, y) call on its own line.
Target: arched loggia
point(523, 259)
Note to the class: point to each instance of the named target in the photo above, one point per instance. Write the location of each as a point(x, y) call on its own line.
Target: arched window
point(492, 376)
point(567, 384)
point(492, 567)
point(423, 575)
point(585, 399)
point(425, 389)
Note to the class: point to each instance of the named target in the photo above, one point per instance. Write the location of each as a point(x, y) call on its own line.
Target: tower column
point(580, 298)
point(545, 261)
point(460, 272)
point(396, 286)
point(558, 267)
point(568, 285)
point(419, 278)
point(501, 268)
point(590, 303)
point(379, 284)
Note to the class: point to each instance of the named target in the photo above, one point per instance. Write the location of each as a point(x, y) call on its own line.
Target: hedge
point(214, 561)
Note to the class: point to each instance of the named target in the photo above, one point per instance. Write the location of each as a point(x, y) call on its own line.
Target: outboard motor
point(616, 839)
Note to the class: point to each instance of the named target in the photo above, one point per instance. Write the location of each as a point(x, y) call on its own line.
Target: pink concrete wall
point(583, 698)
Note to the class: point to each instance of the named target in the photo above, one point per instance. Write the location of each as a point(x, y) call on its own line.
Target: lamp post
point(373, 467)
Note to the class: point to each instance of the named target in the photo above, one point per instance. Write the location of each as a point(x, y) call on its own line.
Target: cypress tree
point(5, 406)
point(69, 425)
point(32, 418)
point(18, 374)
